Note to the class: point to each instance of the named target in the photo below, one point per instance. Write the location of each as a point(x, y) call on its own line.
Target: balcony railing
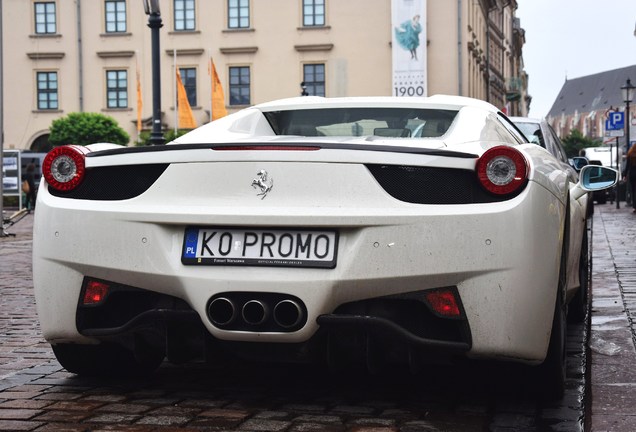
point(514, 85)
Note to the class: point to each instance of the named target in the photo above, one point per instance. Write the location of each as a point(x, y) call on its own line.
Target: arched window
point(41, 144)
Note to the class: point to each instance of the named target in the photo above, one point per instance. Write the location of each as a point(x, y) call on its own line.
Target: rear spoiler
point(284, 146)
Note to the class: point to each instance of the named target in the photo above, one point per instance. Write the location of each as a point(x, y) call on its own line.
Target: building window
point(184, 15)
point(238, 12)
point(117, 89)
point(47, 91)
point(313, 12)
point(45, 18)
point(189, 80)
point(314, 78)
point(240, 85)
point(115, 16)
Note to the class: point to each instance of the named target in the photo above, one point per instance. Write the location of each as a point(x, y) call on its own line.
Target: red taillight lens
point(444, 302)
point(95, 292)
point(502, 170)
point(63, 167)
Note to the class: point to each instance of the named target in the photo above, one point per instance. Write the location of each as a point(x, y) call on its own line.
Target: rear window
point(352, 122)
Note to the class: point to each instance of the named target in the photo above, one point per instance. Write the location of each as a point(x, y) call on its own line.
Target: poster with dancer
point(408, 18)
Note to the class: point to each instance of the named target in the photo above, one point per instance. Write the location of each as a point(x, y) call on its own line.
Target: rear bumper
point(490, 252)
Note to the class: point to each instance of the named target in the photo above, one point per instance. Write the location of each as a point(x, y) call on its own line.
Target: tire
point(553, 370)
point(578, 307)
point(107, 359)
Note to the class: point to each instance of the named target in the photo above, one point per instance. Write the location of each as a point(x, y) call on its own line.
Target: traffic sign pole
point(618, 167)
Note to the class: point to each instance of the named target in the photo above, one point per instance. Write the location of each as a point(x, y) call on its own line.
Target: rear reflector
point(444, 302)
point(95, 292)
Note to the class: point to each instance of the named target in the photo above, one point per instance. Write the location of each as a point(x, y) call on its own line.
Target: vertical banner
point(185, 116)
point(408, 19)
point(218, 109)
point(140, 103)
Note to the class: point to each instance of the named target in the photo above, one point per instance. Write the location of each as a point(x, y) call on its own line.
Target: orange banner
point(218, 98)
point(186, 118)
point(140, 103)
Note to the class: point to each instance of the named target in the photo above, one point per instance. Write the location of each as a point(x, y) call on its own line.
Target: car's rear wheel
point(553, 370)
point(578, 307)
point(108, 359)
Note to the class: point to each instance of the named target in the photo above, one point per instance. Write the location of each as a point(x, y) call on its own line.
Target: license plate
point(259, 247)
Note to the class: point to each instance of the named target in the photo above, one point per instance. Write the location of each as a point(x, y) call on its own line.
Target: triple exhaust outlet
point(257, 312)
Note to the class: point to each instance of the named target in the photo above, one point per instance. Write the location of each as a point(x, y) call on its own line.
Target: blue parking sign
point(615, 121)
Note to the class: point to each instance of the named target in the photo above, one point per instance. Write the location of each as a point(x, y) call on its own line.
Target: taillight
point(63, 167)
point(502, 170)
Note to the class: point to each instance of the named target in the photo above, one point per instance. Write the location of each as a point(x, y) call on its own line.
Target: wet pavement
point(613, 358)
point(36, 394)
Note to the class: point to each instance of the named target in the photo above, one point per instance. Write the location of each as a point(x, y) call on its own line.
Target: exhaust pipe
point(254, 312)
point(288, 313)
point(221, 311)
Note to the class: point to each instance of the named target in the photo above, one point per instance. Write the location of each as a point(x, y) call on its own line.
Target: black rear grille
point(113, 183)
point(428, 185)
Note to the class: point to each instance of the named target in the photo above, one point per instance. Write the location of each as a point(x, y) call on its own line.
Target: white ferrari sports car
point(346, 231)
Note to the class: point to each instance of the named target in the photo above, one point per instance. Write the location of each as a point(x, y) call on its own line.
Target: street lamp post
point(628, 95)
point(151, 7)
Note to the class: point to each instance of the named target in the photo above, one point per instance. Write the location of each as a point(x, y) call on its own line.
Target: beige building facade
point(86, 55)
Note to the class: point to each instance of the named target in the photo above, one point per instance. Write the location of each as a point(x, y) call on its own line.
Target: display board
point(12, 174)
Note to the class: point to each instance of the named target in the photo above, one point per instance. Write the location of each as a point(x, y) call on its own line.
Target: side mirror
point(594, 178)
point(579, 162)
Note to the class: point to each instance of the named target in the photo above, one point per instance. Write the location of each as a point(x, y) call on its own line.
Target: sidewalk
point(612, 403)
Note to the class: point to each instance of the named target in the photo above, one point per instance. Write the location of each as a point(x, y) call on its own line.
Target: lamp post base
point(157, 139)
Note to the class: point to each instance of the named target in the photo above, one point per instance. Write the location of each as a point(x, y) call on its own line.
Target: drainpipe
point(460, 89)
point(80, 81)
point(488, 55)
point(2, 232)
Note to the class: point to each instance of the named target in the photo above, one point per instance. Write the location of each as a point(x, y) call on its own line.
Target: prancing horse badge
point(263, 182)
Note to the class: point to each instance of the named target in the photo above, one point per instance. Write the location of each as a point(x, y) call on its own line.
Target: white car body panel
point(151, 240)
